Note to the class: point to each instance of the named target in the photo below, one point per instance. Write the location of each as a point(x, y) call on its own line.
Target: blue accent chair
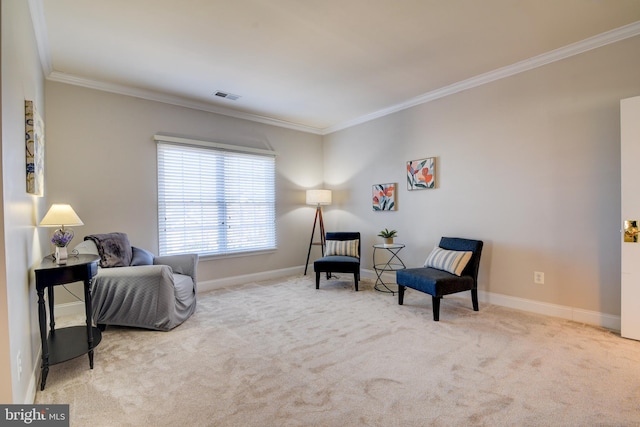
point(338, 263)
point(438, 283)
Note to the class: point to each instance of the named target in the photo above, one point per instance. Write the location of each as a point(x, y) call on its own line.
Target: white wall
point(101, 158)
point(21, 247)
point(529, 164)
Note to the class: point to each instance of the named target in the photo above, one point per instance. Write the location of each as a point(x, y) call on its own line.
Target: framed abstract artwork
point(384, 197)
point(34, 141)
point(421, 174)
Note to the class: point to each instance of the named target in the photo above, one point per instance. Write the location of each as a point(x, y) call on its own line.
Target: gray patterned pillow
point(343, 247)
point(453, 262)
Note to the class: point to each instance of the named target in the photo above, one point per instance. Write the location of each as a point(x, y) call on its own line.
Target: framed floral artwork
point(384, 197)
point(34, 141)
point(421, 174)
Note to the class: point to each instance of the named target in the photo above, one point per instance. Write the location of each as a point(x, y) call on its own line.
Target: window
point(212, 201)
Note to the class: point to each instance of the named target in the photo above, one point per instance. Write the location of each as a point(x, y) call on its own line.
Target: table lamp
point(61, 215)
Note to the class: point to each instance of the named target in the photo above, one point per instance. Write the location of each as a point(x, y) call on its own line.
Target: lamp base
point(61, 255)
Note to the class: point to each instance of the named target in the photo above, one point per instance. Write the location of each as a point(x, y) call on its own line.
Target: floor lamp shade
point(318, 197)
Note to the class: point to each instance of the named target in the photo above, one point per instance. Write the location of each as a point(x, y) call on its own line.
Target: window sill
point(210, 257)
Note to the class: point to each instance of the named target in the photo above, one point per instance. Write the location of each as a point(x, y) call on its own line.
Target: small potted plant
point(388, 236)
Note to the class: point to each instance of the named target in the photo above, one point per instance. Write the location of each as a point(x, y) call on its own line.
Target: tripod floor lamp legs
point(316, 220)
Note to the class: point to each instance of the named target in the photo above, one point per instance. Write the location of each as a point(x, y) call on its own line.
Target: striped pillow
point(451, 261)
point(343, 248)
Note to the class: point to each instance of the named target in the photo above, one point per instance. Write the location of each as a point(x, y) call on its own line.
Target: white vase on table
point(61, 255)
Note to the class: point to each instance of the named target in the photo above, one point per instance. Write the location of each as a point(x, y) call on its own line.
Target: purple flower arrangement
point(62, 238)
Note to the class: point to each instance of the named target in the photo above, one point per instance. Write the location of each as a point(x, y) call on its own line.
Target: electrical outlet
point(19, 365)
point(538, 277)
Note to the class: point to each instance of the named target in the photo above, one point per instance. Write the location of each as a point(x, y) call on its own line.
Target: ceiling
point(313, 65)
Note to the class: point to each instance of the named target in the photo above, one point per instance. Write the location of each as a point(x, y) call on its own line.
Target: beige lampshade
point(318, 197)
point(60, 215)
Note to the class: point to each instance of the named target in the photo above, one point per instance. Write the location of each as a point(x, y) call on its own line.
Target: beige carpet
point(281, 353)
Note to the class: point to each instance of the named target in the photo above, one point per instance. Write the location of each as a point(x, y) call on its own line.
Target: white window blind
point(214, 202)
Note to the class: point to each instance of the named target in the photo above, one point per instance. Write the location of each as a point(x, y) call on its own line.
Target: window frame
point(207, 199)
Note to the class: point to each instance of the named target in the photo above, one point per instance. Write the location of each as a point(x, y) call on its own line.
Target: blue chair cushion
point(341, 263)
point(433, 282)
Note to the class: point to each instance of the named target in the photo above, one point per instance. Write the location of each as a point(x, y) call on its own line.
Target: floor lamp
point(317, 198)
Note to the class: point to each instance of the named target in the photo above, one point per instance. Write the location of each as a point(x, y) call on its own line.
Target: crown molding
point(175, 100)
point(559, 54)
point(36, 10)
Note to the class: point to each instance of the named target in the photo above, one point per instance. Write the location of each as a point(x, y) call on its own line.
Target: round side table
point(394, 263)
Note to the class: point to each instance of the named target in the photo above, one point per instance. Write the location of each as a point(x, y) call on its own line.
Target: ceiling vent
point(226, 95)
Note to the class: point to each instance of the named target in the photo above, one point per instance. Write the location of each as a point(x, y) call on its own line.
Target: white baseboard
point(209, 285)
point(69, 309)
point(77, 307)
point(30, 396)
point(596, 318)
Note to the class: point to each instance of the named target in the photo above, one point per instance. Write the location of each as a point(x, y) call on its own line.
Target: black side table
point(394, 263)
point(66, 343)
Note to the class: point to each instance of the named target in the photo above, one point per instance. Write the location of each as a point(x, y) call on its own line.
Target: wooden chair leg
point(355, 279)
point(474, 299)
point(436, 308)
point(400, 294)
point(317, 280)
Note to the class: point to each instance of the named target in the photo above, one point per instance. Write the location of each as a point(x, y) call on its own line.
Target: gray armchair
point(140, 289)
